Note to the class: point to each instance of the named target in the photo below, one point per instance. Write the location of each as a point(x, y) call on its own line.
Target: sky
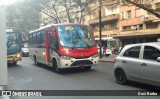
point(7, 2)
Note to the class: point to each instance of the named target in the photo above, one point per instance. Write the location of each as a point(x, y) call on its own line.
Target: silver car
point(140, 63)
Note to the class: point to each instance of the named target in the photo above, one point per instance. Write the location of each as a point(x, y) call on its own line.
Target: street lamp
point(100, 28)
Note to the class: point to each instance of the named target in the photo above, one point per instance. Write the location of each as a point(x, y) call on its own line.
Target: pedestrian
point(112, 50)
point(104, 50)
point(116, 50)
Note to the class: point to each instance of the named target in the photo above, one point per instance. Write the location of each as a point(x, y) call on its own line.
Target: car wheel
point(120, 77)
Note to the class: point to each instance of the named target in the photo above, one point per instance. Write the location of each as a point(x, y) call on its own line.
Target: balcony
point(93, 21)
point(147, 18)
point(105, 19)
point(109, 3)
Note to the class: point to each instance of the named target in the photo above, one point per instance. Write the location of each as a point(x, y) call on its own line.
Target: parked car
point(140, 63)
point(25, 52)
point(108, 51)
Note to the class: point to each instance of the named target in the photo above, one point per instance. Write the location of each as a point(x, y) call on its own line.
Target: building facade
point(109, 21)
point(122, 24)
point(137, 25)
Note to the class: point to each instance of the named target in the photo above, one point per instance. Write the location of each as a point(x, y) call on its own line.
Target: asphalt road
point(27, 76)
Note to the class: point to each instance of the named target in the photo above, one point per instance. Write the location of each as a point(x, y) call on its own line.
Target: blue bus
point(13, 46)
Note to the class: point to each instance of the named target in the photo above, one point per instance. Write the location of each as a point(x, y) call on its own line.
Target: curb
point(3, 97)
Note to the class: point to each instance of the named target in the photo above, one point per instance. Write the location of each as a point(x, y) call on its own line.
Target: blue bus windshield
point(13, 45)
point(75, 36)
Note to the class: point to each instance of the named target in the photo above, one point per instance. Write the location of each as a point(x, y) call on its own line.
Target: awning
point(106, 38)
point(137, 34)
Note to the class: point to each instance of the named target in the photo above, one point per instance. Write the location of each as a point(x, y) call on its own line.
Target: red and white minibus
point(63, 46)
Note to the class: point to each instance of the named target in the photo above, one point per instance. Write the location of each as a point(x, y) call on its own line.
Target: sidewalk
point(110, 58)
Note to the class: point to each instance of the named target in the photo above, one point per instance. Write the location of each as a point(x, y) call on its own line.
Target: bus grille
point(9, 56)
point(85, 62)
point(82, 57)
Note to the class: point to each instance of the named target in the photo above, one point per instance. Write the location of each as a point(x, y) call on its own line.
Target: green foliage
point(25, 14)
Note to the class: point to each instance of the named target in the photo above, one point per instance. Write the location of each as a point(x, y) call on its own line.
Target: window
point(34, 38)
point(139, 12)
point(30, 39)
point(39, 38)
point(152, 25)
point(53, 39)
point(75, 36)
point(127, 28)
point(43, 35)
point(133, 52)
point(151, 53)
point(122, 15)
point(141, 26)
point(129, 13)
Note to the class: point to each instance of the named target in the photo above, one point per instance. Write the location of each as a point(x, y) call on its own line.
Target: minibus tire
point(55, 67)
point(58, 70)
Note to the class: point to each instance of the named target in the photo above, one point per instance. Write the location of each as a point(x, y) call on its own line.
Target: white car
point(108, 51)
point(139, 62)
point(25, 52)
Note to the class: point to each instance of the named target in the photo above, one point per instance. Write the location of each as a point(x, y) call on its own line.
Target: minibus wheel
point(55, 67)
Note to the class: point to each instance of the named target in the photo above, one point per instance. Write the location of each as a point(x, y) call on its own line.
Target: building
point(137, 25)
point(121, 24)
point(110, 21)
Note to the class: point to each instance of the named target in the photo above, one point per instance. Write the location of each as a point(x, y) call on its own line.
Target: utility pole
point(100, 28)
point(3, 50)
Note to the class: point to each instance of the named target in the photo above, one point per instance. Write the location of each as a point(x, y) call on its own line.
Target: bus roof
point(59, 24)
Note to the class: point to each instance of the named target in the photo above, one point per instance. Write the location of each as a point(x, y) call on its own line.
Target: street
point(27, 76)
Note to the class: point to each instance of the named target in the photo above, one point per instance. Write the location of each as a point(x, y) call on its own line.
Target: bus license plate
point(81, 65)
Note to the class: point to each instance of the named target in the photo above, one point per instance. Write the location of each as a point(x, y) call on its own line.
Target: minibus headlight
point(96, 55)
point(65, 57)
point(18, 55)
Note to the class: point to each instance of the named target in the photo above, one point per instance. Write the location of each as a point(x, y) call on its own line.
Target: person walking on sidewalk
point(104, 50)
point(116, 50)
point(112, 50)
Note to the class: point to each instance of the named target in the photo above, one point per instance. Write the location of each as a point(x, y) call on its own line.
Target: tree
point(84, 7)
point(24, 16)
point(67, 9)
point(146, 5)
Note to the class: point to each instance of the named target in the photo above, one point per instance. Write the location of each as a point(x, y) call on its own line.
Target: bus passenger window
point(53, 40)
point(43, 35)
point(34, 38)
